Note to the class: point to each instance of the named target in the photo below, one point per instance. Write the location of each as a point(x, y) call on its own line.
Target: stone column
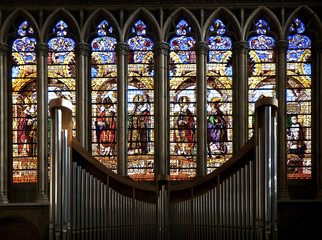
point(122, 50)
point(202, 52)
point(42, 122)
point(83, 122)
point(317, 141)
point(281, 82)
point(4, 123)
point(240, 95)
point(161, 109)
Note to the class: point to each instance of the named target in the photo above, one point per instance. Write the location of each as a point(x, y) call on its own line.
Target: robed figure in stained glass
point(217, 129)
point(105, 128)
point(184, 135)
point(296, 145)
point(139, 126)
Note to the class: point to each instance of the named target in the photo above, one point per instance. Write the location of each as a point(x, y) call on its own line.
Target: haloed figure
point(139, 126)
point(216, 129)
point(184, 135)
point(105, 128)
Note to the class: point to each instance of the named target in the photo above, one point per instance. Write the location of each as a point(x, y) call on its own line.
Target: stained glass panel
point(104, 95)
point(24, 106)
point(140, 104)
point(61, 66)
point(182, 78)
point(219, 97)
point(298, 98)
point(261, 69)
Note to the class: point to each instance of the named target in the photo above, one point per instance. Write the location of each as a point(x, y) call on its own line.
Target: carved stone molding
point(281, 46)
point(4, 49)
point(202, 48)
point(41, 49)
point(121, 48)
point(161, 48)
point(241, 47)
point(83, 49)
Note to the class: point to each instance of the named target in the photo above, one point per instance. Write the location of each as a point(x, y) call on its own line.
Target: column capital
point(281, 46)
point(41, 49)
point(82, 49)
point(122, 48)
point(4, 49)
point(202, 48)
point(161, 48)
point(241, 47)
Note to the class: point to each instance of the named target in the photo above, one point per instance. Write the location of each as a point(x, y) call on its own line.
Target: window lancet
point(61, 66)
point(104, 95)
point(182, 104)
point(261, 70)
point(24, 106)
point(219, 96)
point(298, 98)
point(140, 104)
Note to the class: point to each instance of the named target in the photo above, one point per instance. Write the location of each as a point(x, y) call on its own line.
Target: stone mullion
point(202, 52)
point(122, 50)
point(281, 83)
point(4, 122)
point(83, 123)
point(161, 127)
point(240, 95)
point(42, 122)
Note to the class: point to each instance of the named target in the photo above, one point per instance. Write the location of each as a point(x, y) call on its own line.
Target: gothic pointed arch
point(262, 35)
point(219, 92)
point(102, 40)
point(140, 99)
point(14, 19)
point(231, 23)
point(62, 34)
point(89, 29)
point(299, 95)
point(24, 102)
point(148, 19)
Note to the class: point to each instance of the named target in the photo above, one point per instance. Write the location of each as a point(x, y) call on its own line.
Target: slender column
point(122, 50)
point(281, 82)
point(82, 51)
point(318, 132)
point(240, 96)
point(42, 122)
point(202, 52)
point(161, 129)
point(4, 133)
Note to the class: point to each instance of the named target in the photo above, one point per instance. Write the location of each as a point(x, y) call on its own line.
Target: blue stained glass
point(262, 27)
point(104, 43)
point(24, 28)
point(183, 28)
point(61, 43)
point(297, 26)
point(139, 44)
point(298, 41)
point(218, 27)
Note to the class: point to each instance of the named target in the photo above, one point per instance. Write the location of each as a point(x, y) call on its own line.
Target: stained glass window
point(182, 77)
point(261, 69)
point(104, 95)
point(61, 66)
point(24, 105)
point(219, 96)
point(140, 104)
point(298, 102)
